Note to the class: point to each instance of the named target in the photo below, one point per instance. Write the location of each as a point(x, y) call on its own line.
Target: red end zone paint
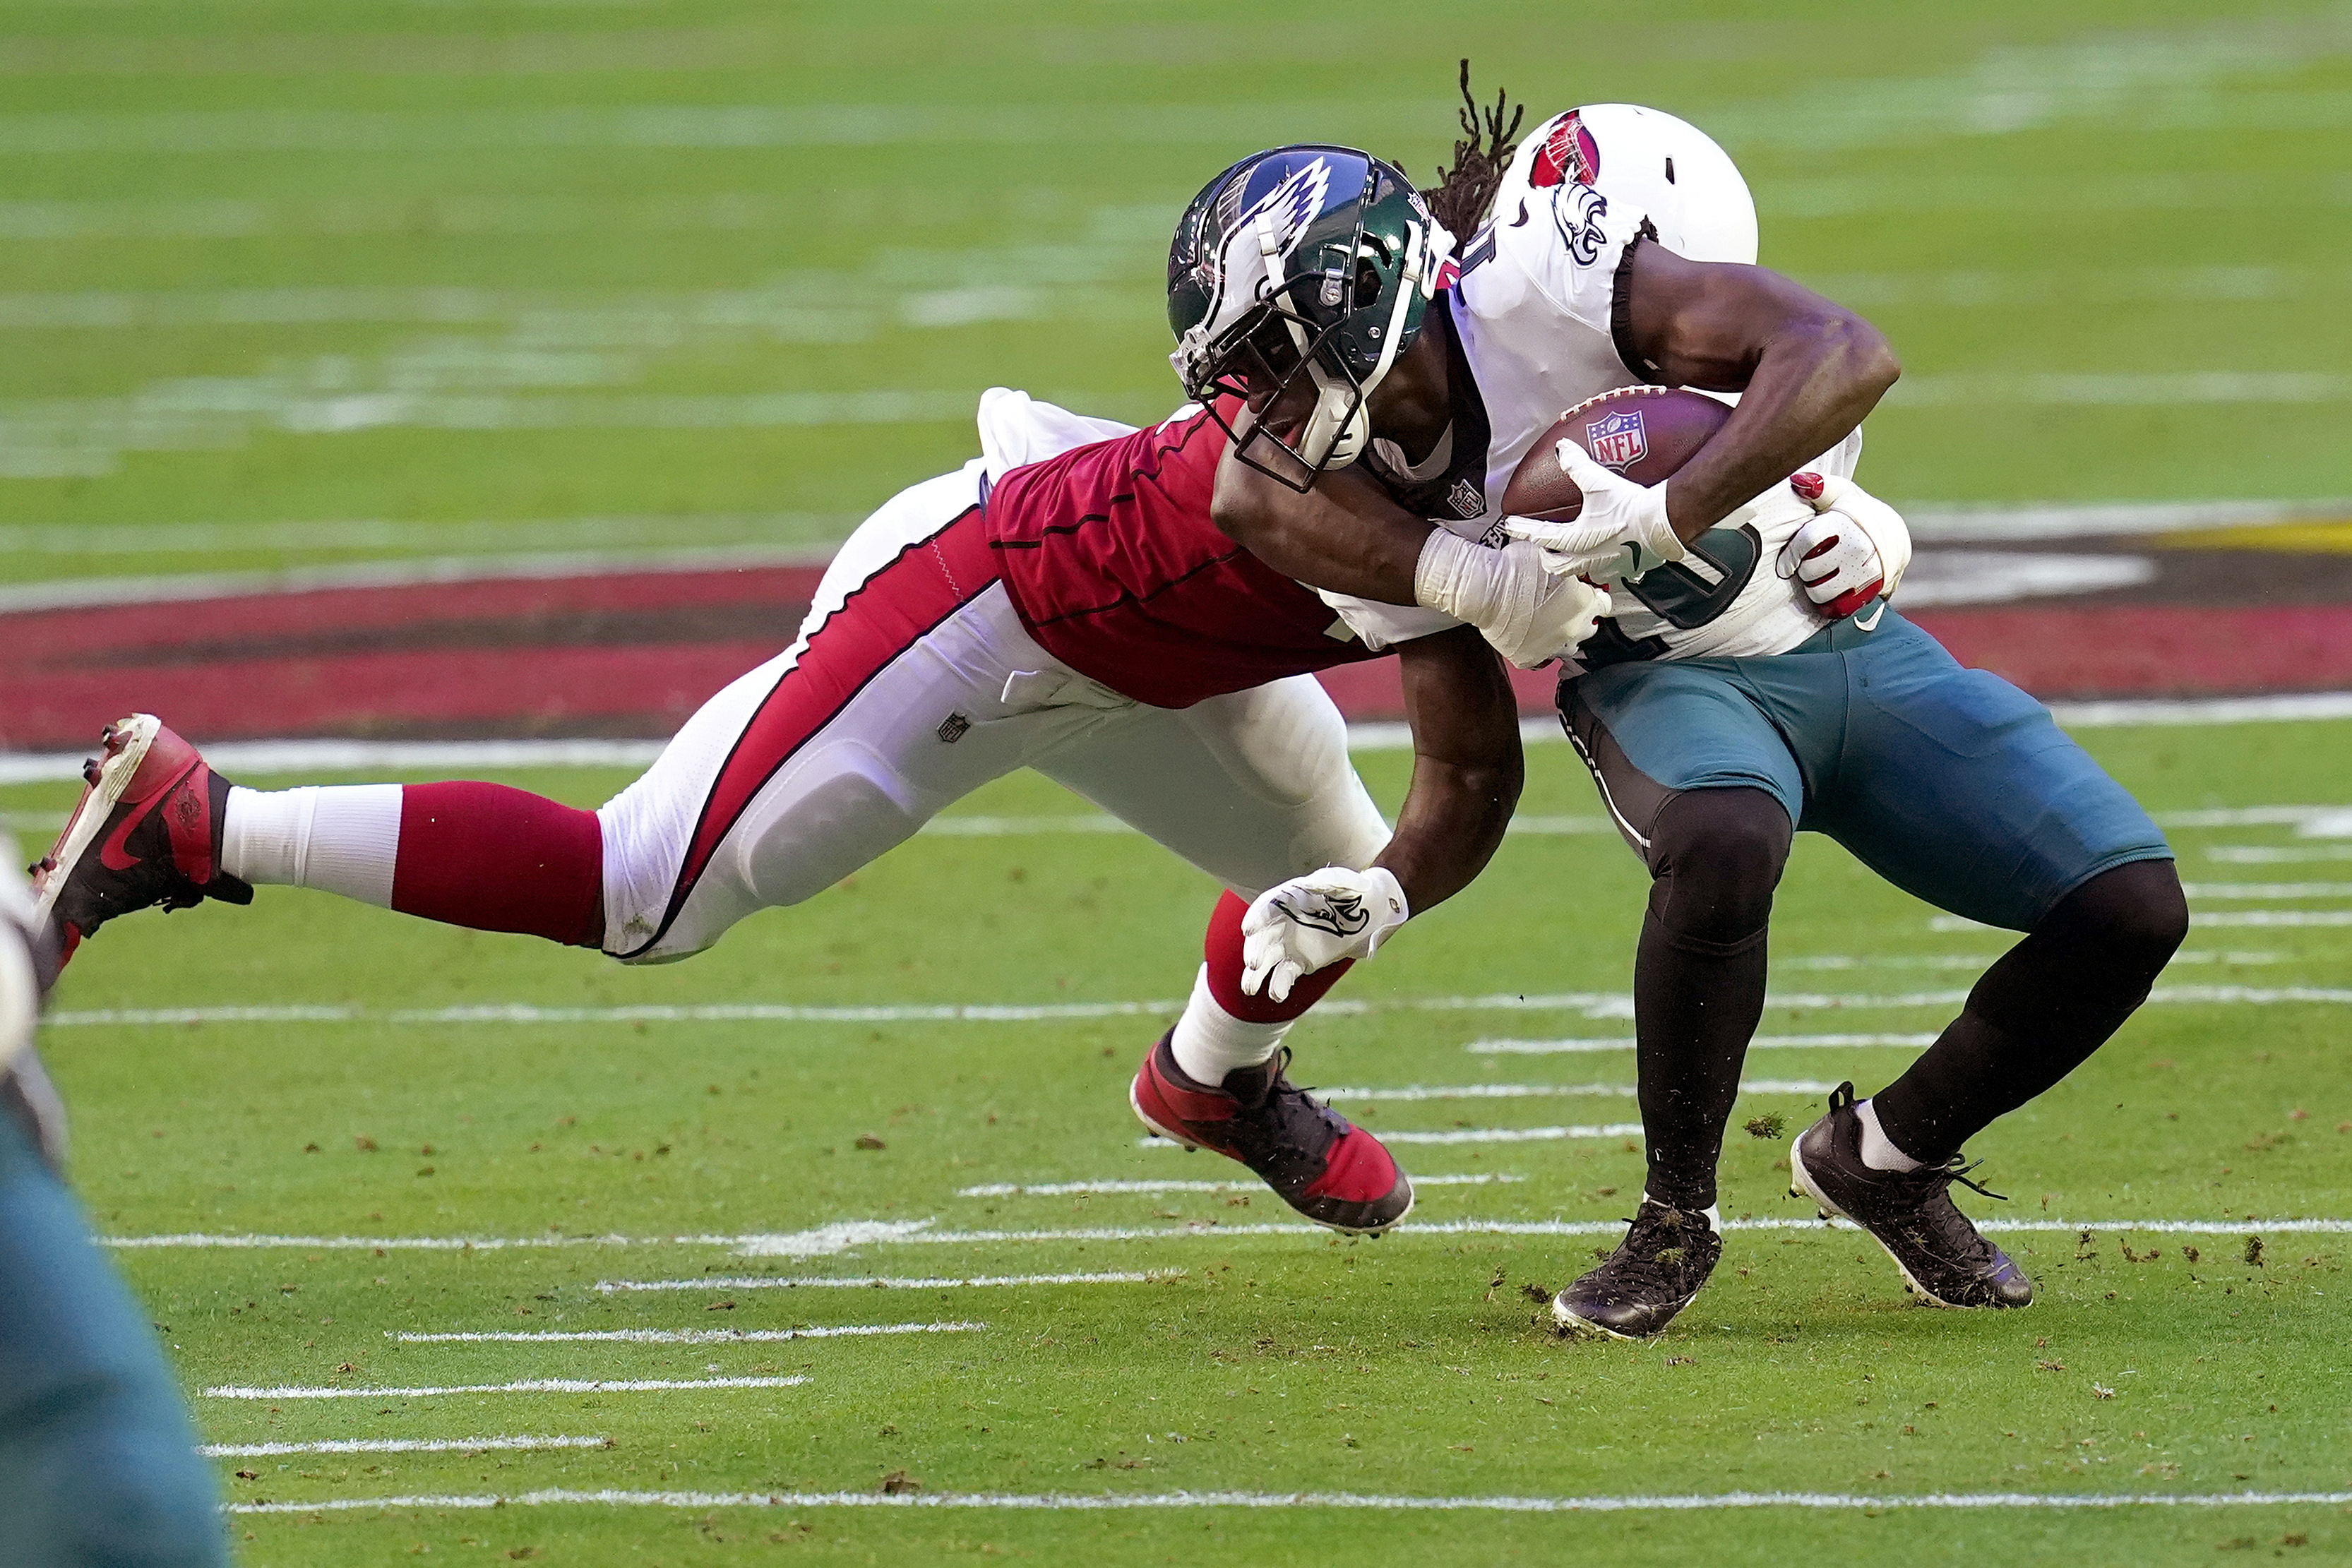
point(632, 653)
point(2147, 650)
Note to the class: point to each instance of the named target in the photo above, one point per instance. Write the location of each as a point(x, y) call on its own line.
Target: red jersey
point(1109, 556)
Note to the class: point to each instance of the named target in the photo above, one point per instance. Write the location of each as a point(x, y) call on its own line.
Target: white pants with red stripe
point(913, 683)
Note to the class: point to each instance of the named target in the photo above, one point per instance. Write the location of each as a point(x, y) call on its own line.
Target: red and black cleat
point(147, 831)
point(1333, 1173)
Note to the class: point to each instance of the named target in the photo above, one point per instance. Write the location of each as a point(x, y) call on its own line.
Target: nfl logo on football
point(1617, 440)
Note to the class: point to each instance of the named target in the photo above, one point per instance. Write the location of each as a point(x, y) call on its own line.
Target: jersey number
point(1685, 594)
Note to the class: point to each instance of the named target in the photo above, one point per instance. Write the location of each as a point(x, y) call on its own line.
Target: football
point(1643, 433)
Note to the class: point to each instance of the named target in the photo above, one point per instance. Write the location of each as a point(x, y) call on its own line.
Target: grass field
point(293, 281)
point(289, 283)
point(1259, 1361)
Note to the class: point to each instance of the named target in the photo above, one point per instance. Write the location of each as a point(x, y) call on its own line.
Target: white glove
point(1517, 596)
point(1617, 513)
point(1570, 611)
point(1855, 549)
point(1312, 922)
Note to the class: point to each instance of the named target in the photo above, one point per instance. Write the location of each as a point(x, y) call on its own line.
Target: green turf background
point(301, 215)
point(981, 195)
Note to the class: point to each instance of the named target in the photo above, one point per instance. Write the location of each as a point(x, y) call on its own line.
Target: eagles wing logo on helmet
point(1242, 269)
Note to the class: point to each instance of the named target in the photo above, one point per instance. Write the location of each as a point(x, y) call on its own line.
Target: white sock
point(1713, 1212)
point(1210, 1042)
point(1878, 1151)
point(339, 839)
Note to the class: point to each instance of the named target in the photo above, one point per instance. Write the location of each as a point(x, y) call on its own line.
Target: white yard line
point(1594, 1005)
point(1073, 1188)
point(397, 1446)
point(2309, 822)
point(1613, 1226)
point(675, 1336)
point(2228, 854)
point(1977, 961)
point(2275, 917)
point(527, 1386)
point(2238, 919)
point(826, 1241)
point(1761, 1042)
point(1471, 1135)
point(777, 1282)
point(1096, 1502)
point(2226, 889)
point(1550, 1091)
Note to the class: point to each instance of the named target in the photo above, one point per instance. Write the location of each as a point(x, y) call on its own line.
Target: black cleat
point(1944, 1260)
point(1653, 1275)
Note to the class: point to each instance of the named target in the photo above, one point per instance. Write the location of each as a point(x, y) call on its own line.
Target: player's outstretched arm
point(1807, 370)
point(1345, 534)
point(1467, 773)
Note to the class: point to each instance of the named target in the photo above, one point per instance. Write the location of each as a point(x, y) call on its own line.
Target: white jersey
point(1534, 310)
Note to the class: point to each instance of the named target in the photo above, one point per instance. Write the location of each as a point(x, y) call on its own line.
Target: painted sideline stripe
point(2297, 707)
point(2276, 917)
point(395, 1445)
point(2267, 889)
point(774, 1282)
point(1592, 1004)
point(1761, 1042)
point(2001, 523)
point(1068, 1188)
point(1106, 1502)
point(1103, 822)
point(674, 1336)
point(2313, 821)
point(2229, 854)
point(826, 1241)
point(528, 1385)
point(1546, 1090)
point(256, 758)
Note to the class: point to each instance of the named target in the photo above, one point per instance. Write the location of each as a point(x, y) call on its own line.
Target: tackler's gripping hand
point(1616, 513)
point(1312, 922)
point(1855, 549)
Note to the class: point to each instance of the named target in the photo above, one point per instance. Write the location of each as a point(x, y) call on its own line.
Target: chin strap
point(1340, 429)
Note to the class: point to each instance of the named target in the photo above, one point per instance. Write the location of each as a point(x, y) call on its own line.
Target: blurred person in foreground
point(99, 1465)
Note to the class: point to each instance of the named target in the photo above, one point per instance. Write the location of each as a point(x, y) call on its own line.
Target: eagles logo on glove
point(1312, 922)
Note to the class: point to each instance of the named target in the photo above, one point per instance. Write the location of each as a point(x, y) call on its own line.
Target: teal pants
point(1948, 782)
point(98, 1462)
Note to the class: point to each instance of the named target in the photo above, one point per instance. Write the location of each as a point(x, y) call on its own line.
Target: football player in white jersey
point(1753, 682)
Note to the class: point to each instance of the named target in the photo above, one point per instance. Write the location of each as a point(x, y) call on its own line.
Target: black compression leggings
point(1698, 975)
point(1698, 991)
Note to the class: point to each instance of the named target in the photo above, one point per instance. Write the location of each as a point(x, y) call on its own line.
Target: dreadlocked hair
point(1463, 193)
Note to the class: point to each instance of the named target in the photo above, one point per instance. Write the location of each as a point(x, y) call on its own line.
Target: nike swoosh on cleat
point(111, 853)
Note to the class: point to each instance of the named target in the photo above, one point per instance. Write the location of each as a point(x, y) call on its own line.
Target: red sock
point(1222, 948)
point(495, 859)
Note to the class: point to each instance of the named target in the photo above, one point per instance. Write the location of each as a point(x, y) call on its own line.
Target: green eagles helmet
point(1309, 260)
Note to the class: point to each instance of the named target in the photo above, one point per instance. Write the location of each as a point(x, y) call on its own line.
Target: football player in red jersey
point(1063, 603)
point(1751, 680)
